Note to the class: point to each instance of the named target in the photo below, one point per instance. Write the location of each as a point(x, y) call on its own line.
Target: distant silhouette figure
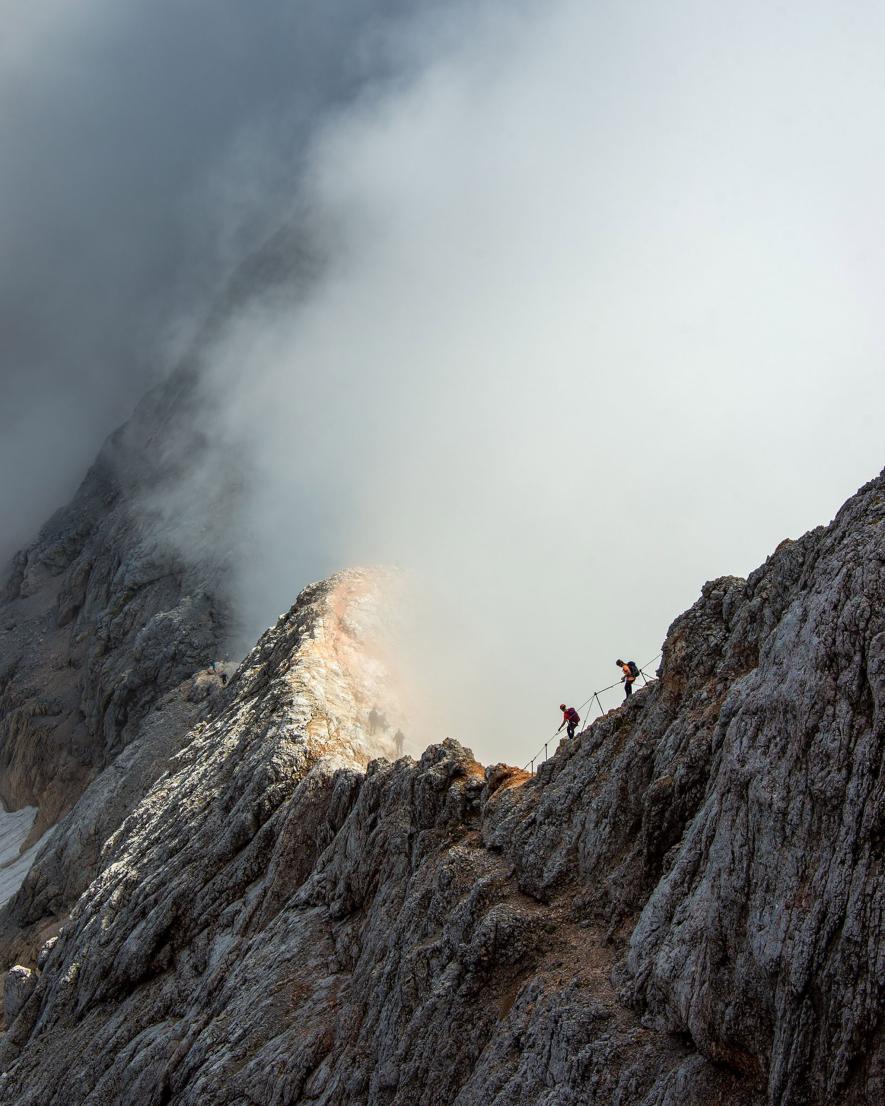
point(374, 721)
point(399, 738)
point(630, 671)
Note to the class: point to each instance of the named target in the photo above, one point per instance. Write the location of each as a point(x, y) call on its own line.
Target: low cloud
point(593, 315)
point(598, 321)
point(147, 147)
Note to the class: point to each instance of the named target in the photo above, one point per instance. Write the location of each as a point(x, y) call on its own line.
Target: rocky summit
point(249, 901)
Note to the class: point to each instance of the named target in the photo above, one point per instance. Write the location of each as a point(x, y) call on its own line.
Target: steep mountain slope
point(119, 605)
point(100, 614)
point(102, 617)
point(684, 906)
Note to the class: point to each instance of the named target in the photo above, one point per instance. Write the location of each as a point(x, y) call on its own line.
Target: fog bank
point(147, 148)
point(592, 312)
point(599, 321)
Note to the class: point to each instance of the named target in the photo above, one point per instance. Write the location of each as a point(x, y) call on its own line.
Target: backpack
point(573, 715)
point(634, 671)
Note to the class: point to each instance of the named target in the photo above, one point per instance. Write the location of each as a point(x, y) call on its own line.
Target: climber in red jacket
point(570, 719)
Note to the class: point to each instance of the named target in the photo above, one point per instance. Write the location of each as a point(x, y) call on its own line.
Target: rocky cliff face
point(100, 619)
point(122, 603)
point(100, 615)
point(683, 907)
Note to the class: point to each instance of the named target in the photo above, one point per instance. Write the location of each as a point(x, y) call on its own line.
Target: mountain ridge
point(683, 906)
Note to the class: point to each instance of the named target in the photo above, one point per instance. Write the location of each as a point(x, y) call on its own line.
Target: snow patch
point(14, 866)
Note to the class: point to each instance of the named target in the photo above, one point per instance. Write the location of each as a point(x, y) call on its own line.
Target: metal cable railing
point(530, 765)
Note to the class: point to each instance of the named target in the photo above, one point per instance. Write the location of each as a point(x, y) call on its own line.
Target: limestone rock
point(45, 952)
point(18, 986)
point(118, 608)
point(102, 618)
point(682, 908)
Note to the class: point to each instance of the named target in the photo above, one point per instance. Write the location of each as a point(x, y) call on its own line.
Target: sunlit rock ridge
point(683, 907)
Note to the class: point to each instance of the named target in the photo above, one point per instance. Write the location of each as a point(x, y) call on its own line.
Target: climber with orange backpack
point(570, 719)
point(631, 671)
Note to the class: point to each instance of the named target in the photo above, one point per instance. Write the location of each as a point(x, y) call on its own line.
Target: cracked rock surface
point(102, 621)
point(100, 616)
point(684, 906)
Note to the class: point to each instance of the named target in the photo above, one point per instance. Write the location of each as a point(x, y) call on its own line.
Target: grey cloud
point(147, 147)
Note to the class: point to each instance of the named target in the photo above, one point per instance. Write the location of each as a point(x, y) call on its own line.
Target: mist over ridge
point(592, 326)
point(148, 148)
point(591, 313)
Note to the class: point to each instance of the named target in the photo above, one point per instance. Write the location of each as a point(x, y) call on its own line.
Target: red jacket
point(571, 715)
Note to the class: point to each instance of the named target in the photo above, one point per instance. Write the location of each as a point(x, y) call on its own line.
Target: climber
point(374, 719)
point(631, 671)
point(399, 738)
point(570, 719)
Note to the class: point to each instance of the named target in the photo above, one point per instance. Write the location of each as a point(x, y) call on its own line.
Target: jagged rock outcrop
point(101, 619)
point(20, 982)
point(683, 907)
point(101, 616)
point(121, 607)
point(123, 600)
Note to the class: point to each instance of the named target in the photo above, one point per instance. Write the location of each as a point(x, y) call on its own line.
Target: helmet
point(562, 706)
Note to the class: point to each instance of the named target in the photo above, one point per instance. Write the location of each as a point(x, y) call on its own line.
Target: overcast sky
point(601, 319)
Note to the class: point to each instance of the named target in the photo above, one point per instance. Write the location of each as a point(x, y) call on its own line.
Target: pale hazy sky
point(601, 321)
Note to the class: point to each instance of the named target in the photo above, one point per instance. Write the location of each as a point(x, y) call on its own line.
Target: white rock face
point(683, 908)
